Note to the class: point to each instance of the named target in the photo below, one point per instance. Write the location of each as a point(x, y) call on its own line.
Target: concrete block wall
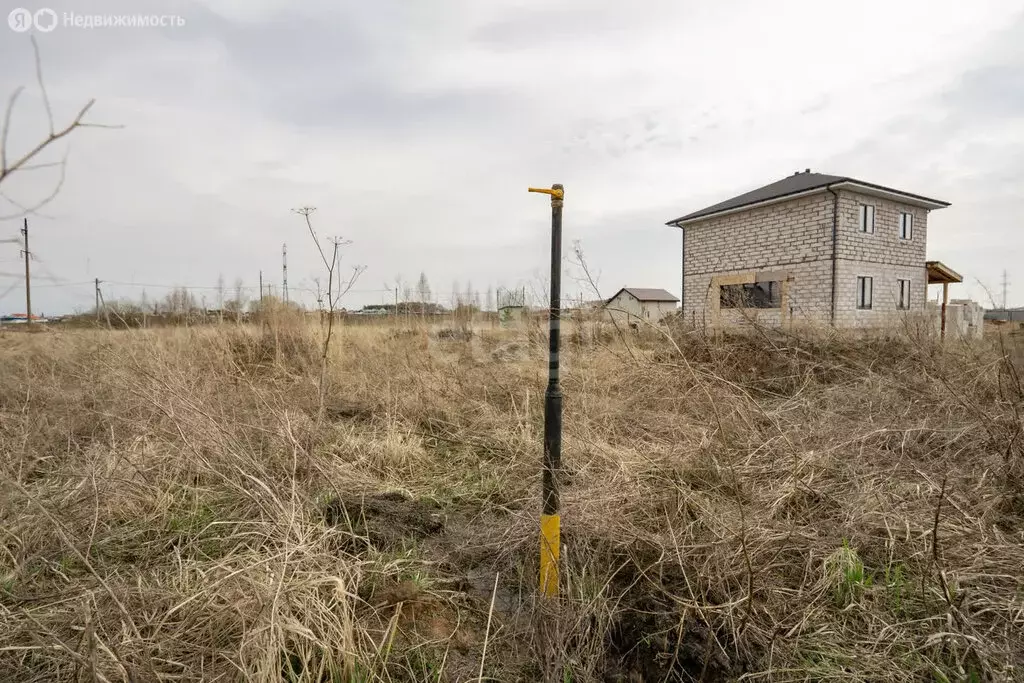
point(796, 231)
point(793, 236)
point(809, 295)
point(796, 237)
point(885, 287)
point(965, 319)
point(884, 245)
point(881, 255)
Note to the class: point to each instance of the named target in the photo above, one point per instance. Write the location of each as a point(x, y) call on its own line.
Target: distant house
point(631, 304)
point(20, 318)
point(810, 247)
point(375, 309)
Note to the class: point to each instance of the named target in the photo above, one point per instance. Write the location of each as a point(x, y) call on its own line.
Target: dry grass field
point(180, 505)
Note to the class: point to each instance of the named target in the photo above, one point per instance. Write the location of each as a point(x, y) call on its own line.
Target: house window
point(864, 287)
point(903, 296)
point(906, 226)
point(751, 295)
point(867, 218)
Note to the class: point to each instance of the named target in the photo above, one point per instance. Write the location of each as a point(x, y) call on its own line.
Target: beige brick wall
point(881, 255)
point(884, 246)
point(796, 237)
point(809, 295)
point(883, 310)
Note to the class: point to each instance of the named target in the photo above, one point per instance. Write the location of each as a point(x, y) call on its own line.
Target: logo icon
point(46, 20)
point(20, 19)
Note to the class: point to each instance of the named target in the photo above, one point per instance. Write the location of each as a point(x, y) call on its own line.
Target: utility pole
point(550, 521)
point(261, 286)
point(1005, 285)
point(97, 282)
point(284, 272)
point(28, 279)
point(106, 313)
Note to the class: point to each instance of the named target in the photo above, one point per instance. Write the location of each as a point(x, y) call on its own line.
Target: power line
point(524, 297)
point(243, 287)
point(22, 275)
point(63, 284)
point(40, 263)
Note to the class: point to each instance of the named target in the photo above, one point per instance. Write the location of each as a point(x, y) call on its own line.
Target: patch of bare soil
point(385, 519)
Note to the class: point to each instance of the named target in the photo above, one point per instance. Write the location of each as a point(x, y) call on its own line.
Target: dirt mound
point(513, 351)
point(385, 519)
point(650, 639)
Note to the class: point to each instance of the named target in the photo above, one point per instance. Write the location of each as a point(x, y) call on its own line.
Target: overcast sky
point(415, 129)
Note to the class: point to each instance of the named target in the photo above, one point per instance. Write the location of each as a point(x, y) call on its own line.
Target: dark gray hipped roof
point(646, 294)
point(791, 185)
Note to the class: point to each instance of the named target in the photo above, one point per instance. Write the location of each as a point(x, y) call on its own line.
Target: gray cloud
point(417, 129)
point(964, 143)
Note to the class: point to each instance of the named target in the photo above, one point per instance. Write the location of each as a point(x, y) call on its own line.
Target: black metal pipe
point(553, 393)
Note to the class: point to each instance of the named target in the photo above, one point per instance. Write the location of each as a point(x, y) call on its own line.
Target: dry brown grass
point(760, 508)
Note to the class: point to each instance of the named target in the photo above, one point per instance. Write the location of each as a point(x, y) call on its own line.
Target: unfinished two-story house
point(810, 248)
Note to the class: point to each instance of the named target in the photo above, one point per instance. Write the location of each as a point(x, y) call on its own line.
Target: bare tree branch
point(7, 124)
point(42, 87)
point(6, 170)
point(581, 263)
point(40, 166)
point(25, 162)
point(988, 293)
point(33, 210)
point(305, 211)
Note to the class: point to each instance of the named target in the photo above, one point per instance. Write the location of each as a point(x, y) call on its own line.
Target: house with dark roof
point(810, 247)
point(633, 304)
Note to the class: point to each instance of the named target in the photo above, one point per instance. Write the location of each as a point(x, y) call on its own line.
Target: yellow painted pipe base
point(550, 542)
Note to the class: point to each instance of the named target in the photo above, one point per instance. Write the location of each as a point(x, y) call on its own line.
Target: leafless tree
point(423, 289)
point(239, 301)
point(337, 287)
point(456, 298)
point(180, 301)
point(220, 297)
point(31, 159)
